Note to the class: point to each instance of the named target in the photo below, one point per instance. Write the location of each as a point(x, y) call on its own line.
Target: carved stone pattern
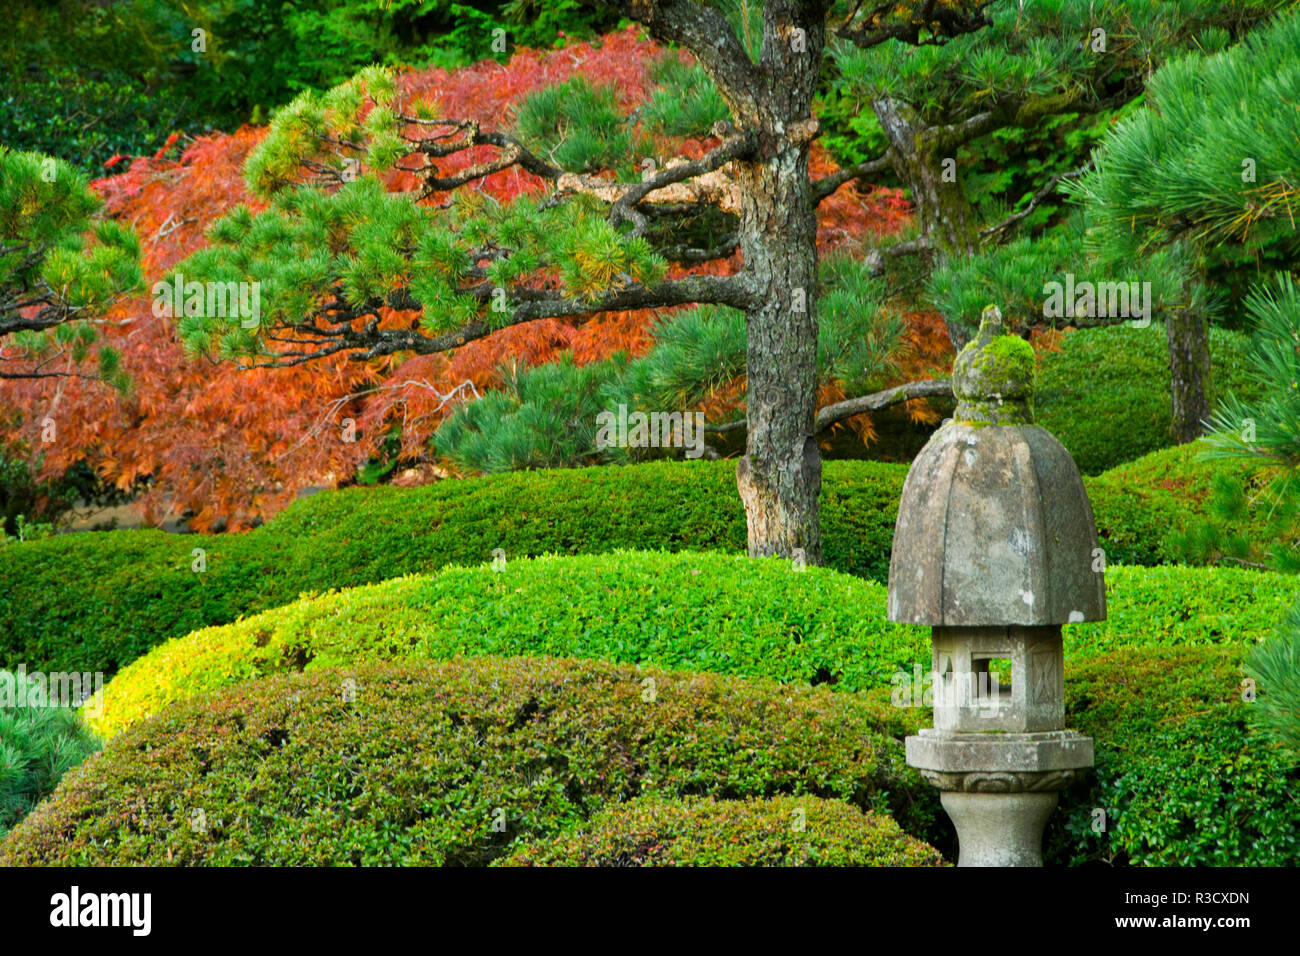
point(1002, 782)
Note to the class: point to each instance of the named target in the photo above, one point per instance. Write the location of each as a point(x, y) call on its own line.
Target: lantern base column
point(999, 829)
point(1000, 788)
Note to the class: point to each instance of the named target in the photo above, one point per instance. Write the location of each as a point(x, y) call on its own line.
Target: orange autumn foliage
point(231, 447)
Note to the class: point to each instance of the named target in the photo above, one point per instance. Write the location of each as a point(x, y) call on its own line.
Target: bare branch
point(826, 186)
point(831, 414)
point(828, 416)
point(1037, 198)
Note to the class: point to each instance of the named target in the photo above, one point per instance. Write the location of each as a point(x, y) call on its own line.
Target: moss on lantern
point(993, 377)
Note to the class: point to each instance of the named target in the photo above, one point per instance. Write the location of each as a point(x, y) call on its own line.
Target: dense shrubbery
point(415, 764)
point(1150, 504)
point(1177, 773)
point(98, 601)
point(785, 831)
point(1106, 394)
point(39, 743)
point(1179, 776)
point(703, 612)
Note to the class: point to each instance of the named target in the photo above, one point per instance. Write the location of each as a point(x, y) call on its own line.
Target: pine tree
point(334, 251)
point(1210, 169)
point(61, 266)
point(330, 255)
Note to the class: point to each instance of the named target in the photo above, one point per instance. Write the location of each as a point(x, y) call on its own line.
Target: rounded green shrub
point(1106, 394)
point(1155, 502)
point(98, 601)
point(782, 831)
point(452, 763)
point(1181, 780)
point(704, 612)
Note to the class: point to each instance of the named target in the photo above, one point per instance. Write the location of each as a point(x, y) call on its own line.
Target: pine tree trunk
point(780, 475)
point(944, 212)
point(1187, 335)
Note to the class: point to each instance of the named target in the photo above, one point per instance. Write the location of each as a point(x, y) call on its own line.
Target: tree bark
point(946, 216)
point(779, 477)
point(1187, 335)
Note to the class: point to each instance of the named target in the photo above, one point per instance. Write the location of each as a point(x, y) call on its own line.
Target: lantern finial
point(993, 377)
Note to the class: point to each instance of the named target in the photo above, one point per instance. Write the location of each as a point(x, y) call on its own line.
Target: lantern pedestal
point(999, 788)
point(999, 829)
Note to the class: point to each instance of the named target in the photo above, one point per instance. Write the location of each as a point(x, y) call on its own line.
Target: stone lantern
point(995, 548)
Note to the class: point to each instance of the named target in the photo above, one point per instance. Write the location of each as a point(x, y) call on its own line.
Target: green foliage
point(696, 352)
point(1275, 665)
point(1015, 276)
point(784, 831)
point(851, 133)
point(83, 80)
point(762, 619)
point(1182, 781)
point(546, 416)
point(368, 245)
point(1140, 682)
point(1254, 510)
point(1266, 431)
point(1003, 171)
point(413, 765)
point(86, 121)
point(1105, 395)
point(1154, 508)
point(56, 253)
point(1034, 48)
point(1211, 161)
point(98, 601)
point(39, 743)
point(685, 101)
point(542, 417)
point(576, 126)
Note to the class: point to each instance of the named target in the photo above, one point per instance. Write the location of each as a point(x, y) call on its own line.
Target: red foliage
point(235, 446)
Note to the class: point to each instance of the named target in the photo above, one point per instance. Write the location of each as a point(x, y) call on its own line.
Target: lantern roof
point(994, 526)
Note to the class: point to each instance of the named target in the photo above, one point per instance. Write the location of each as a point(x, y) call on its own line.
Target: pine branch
point(838, 412)
point(826, 186)
point(1038, 197)
point(370, 341)
point(831, 414)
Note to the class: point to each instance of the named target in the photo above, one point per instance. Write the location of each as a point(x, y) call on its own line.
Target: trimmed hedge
point(704, 612)
point(784, 831)
point(1105, 395)
point(1171, 491)
point(98, 601)
point(1177, 772)
point(1180, 777)
point(453, 763)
